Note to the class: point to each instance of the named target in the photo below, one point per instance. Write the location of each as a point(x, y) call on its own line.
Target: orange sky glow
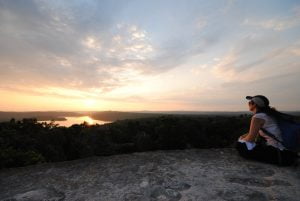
point(148, 55)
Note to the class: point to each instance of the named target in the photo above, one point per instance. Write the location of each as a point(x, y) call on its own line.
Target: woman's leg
point(266, 154)
point(273, 155)
point(244, 152)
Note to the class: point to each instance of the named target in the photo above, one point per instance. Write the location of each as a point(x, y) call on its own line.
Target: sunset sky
point(129, 55)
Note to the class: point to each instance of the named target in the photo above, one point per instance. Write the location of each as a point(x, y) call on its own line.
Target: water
point(78, 120)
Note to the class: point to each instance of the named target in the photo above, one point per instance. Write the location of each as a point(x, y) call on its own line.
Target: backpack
point(290, 133)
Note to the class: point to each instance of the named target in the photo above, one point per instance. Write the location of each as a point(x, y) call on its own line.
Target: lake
point(78, 120)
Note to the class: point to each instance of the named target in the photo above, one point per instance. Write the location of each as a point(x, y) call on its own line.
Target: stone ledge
point(196, 174)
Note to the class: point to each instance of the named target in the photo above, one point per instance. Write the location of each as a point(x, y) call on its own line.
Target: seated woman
point(256, 144)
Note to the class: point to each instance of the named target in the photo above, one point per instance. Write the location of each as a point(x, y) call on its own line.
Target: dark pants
point(267, 154)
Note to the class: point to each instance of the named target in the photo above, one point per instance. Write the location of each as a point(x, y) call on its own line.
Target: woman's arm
point(255, 125)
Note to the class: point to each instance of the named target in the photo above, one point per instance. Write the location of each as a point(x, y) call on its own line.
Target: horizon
point(141, 111)
point(154, 56)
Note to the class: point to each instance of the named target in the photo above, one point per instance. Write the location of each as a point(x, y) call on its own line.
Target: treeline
point(28, 142)
point(115, 115)
point(40, 116)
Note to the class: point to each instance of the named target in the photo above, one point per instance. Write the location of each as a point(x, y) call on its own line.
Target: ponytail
point(278, 116)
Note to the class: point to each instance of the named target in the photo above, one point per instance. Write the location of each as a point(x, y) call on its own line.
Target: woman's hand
point(243, 136)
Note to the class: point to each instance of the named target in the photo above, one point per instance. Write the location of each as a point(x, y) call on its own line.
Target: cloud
point(247, 62)
point(50, 45)
point(201, 23)
point(276, 24)
point(82, 46)
point(91, 42)
point(104, 49)
point(225, 68)
point(229, 4)
point(294, 50)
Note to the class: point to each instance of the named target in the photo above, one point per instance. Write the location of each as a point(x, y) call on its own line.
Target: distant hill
point(115, 115)
point(105, 115)
point(40, 116)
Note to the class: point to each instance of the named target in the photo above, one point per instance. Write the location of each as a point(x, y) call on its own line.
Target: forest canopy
point(27, 142)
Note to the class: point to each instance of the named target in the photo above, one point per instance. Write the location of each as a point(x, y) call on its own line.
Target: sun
point(89, 103)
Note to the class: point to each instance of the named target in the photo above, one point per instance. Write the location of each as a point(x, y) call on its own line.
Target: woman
point(256, 144)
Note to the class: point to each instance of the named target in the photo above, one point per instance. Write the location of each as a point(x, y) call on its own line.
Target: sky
point(158, 55)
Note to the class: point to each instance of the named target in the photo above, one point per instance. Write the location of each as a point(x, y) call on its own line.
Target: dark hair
point(278, 116)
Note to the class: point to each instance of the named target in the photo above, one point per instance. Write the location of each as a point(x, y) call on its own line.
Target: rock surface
point(185, 175)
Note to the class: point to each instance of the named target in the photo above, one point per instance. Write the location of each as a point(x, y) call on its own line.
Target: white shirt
point(271, 126)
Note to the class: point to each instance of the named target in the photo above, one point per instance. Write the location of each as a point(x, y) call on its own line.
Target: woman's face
point(251, 105)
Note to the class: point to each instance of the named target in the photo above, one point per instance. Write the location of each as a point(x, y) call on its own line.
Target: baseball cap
point(259, 100)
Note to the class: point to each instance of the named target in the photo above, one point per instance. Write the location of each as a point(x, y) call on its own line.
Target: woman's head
point(258, 103)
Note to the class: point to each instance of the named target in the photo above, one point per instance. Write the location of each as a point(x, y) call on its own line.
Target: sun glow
point(117, 60)
point(89, 103)
point(87, 119)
